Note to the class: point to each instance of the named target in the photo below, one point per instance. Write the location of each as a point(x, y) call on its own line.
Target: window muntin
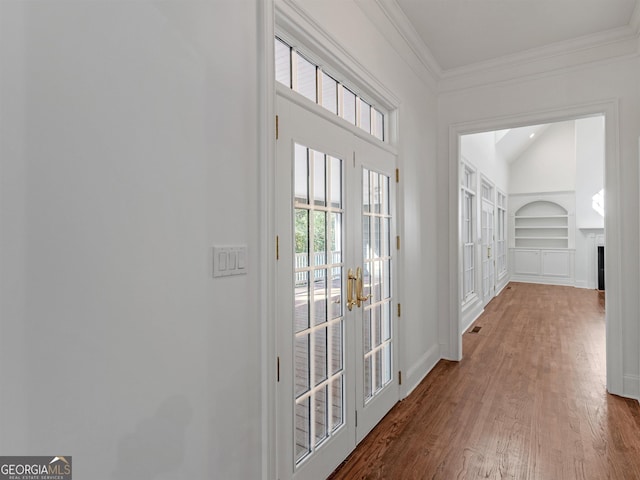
point(299, 74)
point(467, 192)
point(501, 233)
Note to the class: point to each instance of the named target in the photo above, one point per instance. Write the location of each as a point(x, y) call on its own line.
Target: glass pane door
point(318, 299)
point(488, 275)
point(335, 328)
point(376, 252)
point(373, 208)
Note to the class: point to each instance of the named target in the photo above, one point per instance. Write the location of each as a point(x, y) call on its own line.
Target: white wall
point(128, 149)
point(589, 170)
point(418, 344)
point(589, 181)
point(479, 149)
point(549, 164)
point(548, 96)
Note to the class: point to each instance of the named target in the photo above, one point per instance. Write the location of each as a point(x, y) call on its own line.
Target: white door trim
point(608, 108)
point(266, 255)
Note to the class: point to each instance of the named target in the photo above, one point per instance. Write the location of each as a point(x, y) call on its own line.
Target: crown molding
point(598, 47)
point(586, 42)
point(396, 19)
point(592, 49)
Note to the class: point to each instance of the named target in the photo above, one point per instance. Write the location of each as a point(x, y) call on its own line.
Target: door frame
point(366, 141)
point(613, 233)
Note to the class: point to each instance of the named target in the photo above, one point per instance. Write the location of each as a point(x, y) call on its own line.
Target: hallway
point(528, 401)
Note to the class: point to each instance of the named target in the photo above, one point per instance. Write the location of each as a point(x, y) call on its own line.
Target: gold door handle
point(359, 290)
point(351, 278)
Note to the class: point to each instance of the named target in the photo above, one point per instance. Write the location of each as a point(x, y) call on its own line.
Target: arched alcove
point(542, 224)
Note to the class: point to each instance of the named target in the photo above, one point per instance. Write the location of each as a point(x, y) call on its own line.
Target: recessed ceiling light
point(532, 135)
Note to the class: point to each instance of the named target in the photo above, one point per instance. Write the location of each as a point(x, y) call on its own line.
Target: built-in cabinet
point(542, 241)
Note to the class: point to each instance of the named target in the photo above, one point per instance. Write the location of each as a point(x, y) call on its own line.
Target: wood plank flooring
point(528, 401)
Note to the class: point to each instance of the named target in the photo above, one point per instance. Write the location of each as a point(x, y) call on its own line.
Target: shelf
point(542, 238)
point(541, 216)
point(533, 227)
point(541, 224)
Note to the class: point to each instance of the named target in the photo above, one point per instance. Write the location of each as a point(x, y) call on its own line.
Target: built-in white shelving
point(542, 242)
point(541, 224)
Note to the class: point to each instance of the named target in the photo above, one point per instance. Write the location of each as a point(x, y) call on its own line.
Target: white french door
point(487, 253)
point(335, 287)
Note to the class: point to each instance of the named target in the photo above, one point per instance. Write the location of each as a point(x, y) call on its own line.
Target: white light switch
point(222, 261)
point(229, 260)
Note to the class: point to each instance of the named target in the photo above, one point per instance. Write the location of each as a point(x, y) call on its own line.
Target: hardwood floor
point(528, 401)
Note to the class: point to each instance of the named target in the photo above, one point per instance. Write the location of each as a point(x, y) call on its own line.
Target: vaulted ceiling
point(459, 33)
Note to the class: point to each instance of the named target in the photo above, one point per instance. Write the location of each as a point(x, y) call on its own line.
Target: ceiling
point(459, 33)
point(512, 143)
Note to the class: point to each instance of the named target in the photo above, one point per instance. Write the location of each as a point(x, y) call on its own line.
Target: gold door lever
point(351, 278)
point(359, 290)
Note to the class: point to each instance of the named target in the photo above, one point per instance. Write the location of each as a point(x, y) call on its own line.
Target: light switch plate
point(229, 260)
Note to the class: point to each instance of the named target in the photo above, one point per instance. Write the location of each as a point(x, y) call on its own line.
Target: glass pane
point(386, 234)
point(377, 280)
point(349, 106)
point(301, 174)
point(335, 292)
point(376, 322)
point(378, 369)
point(377, 237)
point(386, 276)
point(301, 301)
point(367, 378)
point(336, 182)
point(378, 125)
point(365, 116)
point(336, 338)
point(303, 429)
point(283, 63)
point(306, 78)
point(386, 322)
point(302, 373)
point(375, 187)
point(302, 238)
point(319, 237)
point(335, 232)
point(386, 364)
point(366, 202)
point(337, 403)
point(366, 237)
point(366, 330)
point(320, 297)
point(329, 93)
point(366, 278)
point(320, 355)
point(320, 412)
point(319, 178)
point(385, 193)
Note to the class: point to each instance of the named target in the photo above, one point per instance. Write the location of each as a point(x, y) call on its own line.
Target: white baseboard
point(631, 386)
point(470, 316)
point(416, 373)
point(543, 280)
point(501, 288)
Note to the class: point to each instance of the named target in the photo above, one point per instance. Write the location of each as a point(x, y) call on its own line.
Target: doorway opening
point(531, 209)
